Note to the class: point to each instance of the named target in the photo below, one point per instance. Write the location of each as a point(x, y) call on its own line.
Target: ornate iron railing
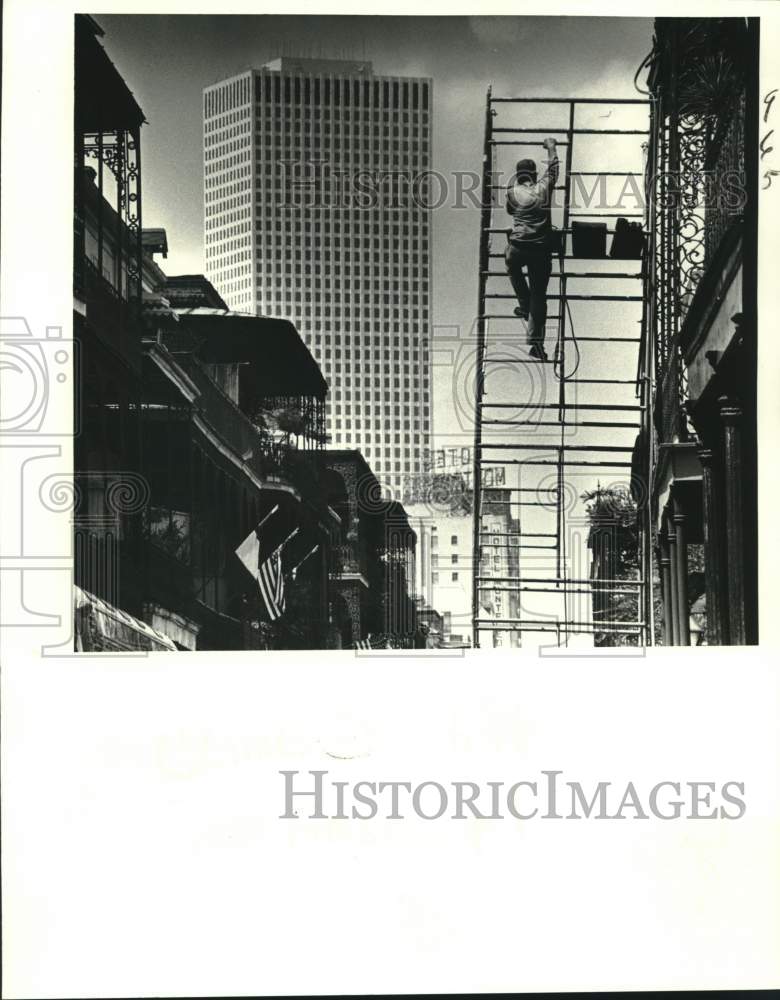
point(349, 558)
point(300, 418)
point(726, 179)
point(118, 150)
point(695, 184)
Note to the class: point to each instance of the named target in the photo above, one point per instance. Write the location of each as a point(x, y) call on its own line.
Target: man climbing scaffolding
point(530, 243)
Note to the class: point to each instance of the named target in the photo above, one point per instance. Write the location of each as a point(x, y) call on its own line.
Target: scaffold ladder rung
point(567, 100)
point(518, 361)
point(606, 215)
point(544, 461)
point(526, 623)
point(520, 489)
point(503, 588)
point(497, 349)
point(576, 131)
point(628, 407)
point(489, 625)
point(602, 340)
point(606, 275)
point(602, 381)
point(516, 489)
point(606, 173)
point(526, 534)
point(503, 231)
point(573, 298)
point(519, 142)
point(534, 446)
point(568, 256)
point(530, 360)
point(561, 580)
point(620, 425)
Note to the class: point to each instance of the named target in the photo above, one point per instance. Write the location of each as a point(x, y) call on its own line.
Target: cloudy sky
point(167, 60)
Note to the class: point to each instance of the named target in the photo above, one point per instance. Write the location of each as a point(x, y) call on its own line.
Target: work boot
point(522, 311)
point(537, 351)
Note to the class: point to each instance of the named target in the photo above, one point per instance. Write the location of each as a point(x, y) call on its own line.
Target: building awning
point(280, 363)
point(103, 101)
point(678, 464)
point(155, 241)
point(100, 627)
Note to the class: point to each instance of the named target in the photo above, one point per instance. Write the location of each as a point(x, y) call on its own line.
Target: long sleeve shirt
point(529, 205)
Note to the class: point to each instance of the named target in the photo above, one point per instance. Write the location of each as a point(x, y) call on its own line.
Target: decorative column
point(680, 570)
point(714, 562)
point(352, 597)
point(666, 587)
point(671, 540)
point(731, 419)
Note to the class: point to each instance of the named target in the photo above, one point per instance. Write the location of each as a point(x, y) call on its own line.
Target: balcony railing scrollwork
point(696, 184)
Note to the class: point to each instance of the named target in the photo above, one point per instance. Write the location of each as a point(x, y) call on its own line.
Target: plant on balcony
point(288, 422)
point(709, 86)
point(612, 513)
point(170, 531)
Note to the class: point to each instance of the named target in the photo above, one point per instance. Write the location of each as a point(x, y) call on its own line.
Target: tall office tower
point(317, 209)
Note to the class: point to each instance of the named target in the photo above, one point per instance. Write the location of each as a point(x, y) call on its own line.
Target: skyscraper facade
point(317, 193)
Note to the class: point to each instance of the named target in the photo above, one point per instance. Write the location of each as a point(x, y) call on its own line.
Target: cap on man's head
point(526, 170)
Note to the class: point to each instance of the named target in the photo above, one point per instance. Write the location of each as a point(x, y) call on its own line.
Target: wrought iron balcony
point(350, 559)
point(726, 176)
point(696, 185)
point(113, 318)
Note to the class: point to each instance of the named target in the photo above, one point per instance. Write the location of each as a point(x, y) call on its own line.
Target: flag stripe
point(269, 574)
point(271, 583)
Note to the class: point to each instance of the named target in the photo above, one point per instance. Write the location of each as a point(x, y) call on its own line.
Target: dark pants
point(537, 260)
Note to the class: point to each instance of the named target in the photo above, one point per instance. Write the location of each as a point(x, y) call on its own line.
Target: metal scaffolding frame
point(564, 414)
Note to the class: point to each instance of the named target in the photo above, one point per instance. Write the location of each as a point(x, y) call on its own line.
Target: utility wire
point(643, 65)
point(557, 366)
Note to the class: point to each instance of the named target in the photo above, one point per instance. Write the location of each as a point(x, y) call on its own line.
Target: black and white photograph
point(402, 353)
point(413, 373)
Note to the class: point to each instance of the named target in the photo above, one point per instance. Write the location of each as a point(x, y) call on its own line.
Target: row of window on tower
point(227, 96)
point(275, 88)
point(341, 130)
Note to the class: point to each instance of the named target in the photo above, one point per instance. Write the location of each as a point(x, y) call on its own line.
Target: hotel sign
point(449, 489)
point(448, 458)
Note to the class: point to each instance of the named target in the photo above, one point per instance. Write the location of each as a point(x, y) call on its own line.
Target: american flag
point(377, 642)
point(271, 581)
point(268, 572)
